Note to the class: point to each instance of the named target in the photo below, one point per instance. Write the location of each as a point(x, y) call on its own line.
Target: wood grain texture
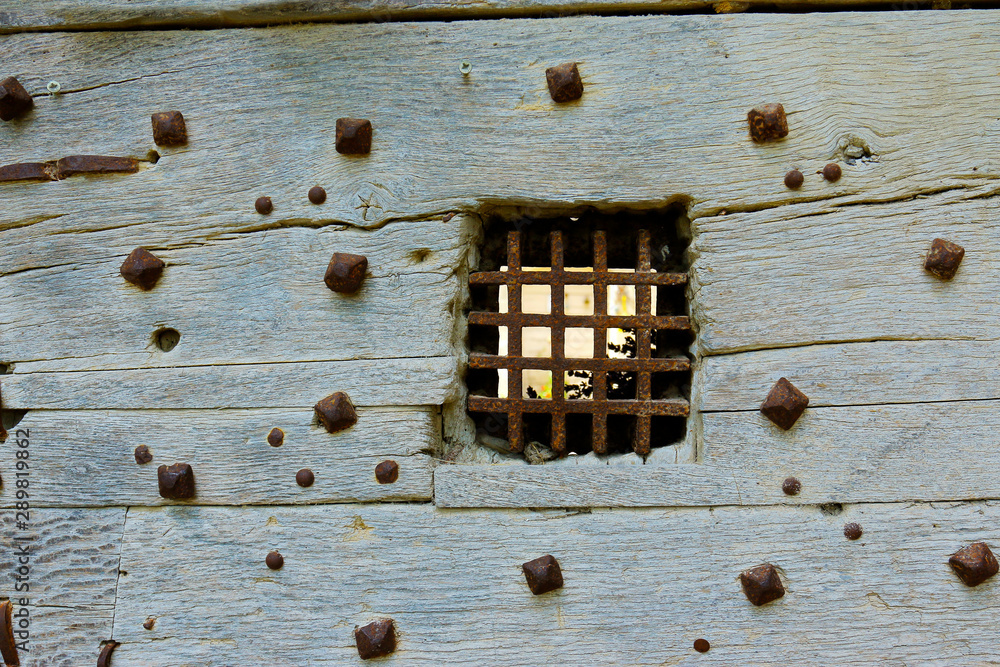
point(643, 134)
point(863, 373)
point(133, 14)
point(250, 298)
point(419, 381)
point(74, 558)
point(640, 586)
point(876, 453)
point(802, 275)
point(86, 458)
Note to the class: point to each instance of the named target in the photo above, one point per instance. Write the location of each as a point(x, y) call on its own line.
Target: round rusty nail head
point(701, 645)
point(794, 179)
point(305, 477)
point(831, 172)
point(276, 437)
point(852, 531)
point(317, 195)
point(264, 205)
point(387, 472)
point(274, 560)
point(791, 486)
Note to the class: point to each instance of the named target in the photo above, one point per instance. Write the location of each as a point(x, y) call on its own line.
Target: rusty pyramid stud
point(974, 564)
point(376, 639)
point(336, 412)
point(564, 82)
point(784, 404)
point(14, 99)
point(943, 258)
point(169, 128)
point(142, 268)
point(354, 136)
point(543, 574)
point(767, 122)
point(762, 584)
point(176, 481)
point(346, 272)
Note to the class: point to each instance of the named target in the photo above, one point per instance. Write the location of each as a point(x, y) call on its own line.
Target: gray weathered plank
point(73, 561)
point(384, 382)
point(644, 133)
point(863, 373)
point(935, 451)
point(640, 586)
point(252, 298)
point(801, 275)
point(133, 14)
point(85, 458)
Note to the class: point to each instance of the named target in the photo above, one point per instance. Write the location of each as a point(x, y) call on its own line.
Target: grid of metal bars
point(644, 322)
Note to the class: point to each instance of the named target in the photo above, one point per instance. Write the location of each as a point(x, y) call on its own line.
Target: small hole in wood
point(166, 339)
point(11, 418)
point(153, 157)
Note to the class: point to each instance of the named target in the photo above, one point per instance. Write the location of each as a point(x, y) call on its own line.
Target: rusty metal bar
point(558, 344)
point(643, 339)
point(595, 321)
point(599, 427)
point(578, 277)
point(666, 407)
point(515, 427)
point(657, 365)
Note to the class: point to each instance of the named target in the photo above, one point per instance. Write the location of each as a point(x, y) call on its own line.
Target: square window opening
point(601, 299)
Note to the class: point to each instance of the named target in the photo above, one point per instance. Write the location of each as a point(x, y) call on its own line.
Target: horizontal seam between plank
point(538, 11)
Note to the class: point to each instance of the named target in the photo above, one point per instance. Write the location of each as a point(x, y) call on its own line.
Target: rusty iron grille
point(644, 322)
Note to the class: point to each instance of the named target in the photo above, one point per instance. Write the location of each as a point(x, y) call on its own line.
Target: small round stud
point(317, 195)
point(264, 205)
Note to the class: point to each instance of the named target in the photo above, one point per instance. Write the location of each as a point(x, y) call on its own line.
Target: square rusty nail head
point(14, 99)
point(346, 272)
point(142, 268)
point(354, 136)
point(784, 404)
point(564, 82)
point(762, 584)
point(943, 258)
point(376, 639)
point(169, 128)
point(336, 412)
point(543, 574)
point(176, 481)
point(974, 564)
point(767, 122)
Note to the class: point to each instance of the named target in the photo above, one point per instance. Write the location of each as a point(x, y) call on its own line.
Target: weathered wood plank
point(134, 14)
point(73, 562)
point(643, 134)
point(453, 584)
point(522, 485)
point(809, 274)
point(261, 296)
point(936, 451)
point(86, 458)
point(864, 373)
point(385, 382)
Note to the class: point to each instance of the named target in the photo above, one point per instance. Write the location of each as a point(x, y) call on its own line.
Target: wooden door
point(824, 285)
